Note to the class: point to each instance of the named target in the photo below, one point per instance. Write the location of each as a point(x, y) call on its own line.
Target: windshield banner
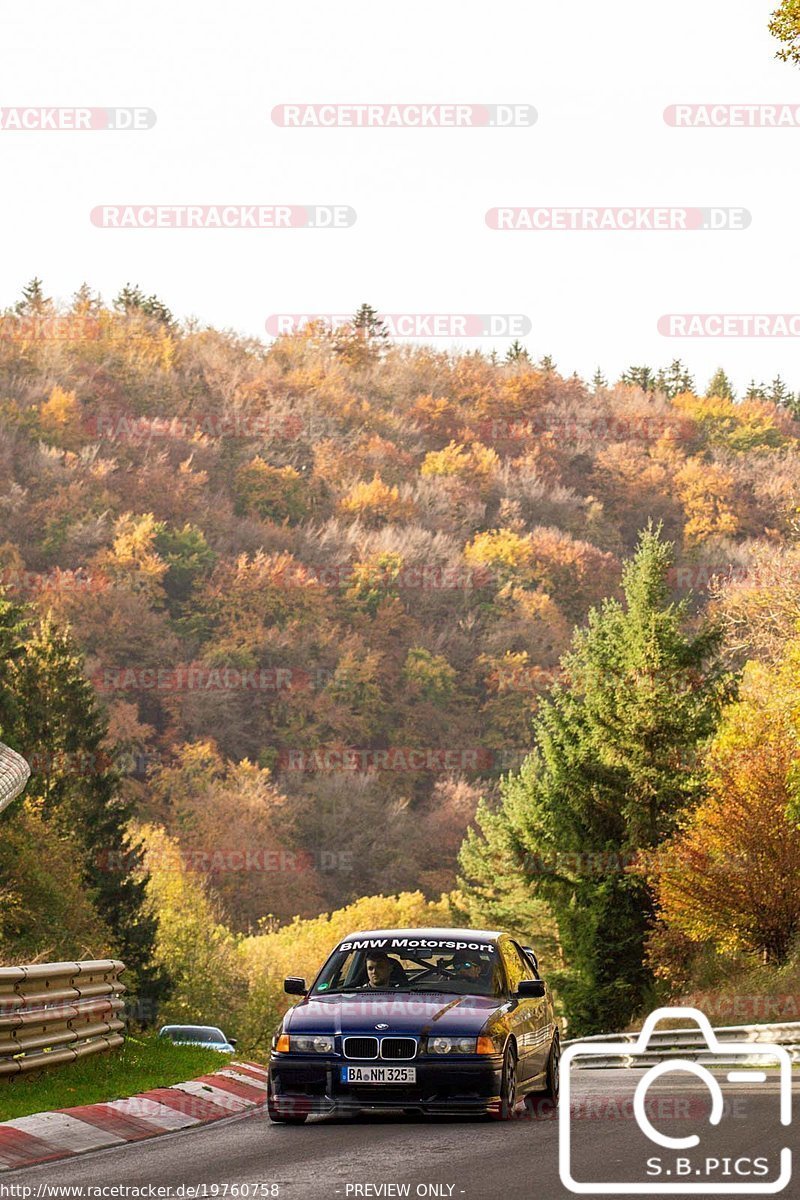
point(400, 944)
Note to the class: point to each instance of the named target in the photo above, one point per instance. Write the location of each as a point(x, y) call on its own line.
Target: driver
point(380, 968)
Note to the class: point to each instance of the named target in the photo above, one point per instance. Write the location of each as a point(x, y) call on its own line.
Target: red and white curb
point(66, 1132)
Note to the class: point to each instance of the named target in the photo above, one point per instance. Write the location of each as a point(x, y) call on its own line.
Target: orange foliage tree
point(730, 876)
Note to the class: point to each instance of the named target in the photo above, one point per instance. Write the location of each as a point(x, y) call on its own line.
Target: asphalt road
point(330, 1159)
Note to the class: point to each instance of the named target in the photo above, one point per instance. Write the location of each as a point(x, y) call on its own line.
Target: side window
point(527, 966)
point(515, 970)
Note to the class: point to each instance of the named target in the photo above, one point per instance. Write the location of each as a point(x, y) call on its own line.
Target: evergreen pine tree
point(599, 380)
point(12, 633)
point(516, 352)
point(641, 377)
point(34, 303)
point(612, 771)
point(368, 324)
point(720, 385)
point(131, 298)
point(778, 391)
point(363, 339)
point(85, 301)
point(792, 404)
point(756, 391)
point(674, 379)
point(77, 786)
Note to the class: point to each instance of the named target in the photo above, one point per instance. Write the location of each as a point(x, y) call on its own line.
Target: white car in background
point(209, 1037)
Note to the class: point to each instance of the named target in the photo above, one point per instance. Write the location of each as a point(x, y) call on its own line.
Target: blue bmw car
point(441, 1021)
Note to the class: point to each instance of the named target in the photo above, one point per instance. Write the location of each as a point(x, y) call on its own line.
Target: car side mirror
point(233, 1041)
point(294, 986)
point(530, 988)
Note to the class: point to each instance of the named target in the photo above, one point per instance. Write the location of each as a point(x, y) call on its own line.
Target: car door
point(520, 1012)
point(537, 1017)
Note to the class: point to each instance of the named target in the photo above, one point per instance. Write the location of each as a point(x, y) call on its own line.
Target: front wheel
point(508, 1086)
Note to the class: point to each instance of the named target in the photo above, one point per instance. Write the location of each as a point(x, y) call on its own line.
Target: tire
point(508, 1086)
point(552, 1089)
point(543, 1102)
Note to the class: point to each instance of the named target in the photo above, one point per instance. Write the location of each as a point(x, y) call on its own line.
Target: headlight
point(311, 1045)
point(452, 1045)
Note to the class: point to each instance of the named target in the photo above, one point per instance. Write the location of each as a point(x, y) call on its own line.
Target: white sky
point(600, 76)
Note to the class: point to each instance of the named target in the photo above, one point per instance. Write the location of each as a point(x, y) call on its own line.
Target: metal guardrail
point(14, 774)
point(53, 1013)
point(689, 1043)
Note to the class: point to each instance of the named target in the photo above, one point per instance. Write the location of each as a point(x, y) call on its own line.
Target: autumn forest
point(334, 623)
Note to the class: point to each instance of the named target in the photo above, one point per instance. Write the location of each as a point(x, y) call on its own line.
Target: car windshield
point(193, 1033)
point(463, 973)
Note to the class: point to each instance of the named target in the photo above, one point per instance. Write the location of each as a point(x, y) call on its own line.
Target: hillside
point(321, 585)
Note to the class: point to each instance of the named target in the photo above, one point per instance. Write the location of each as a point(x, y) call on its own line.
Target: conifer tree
point(34, 303)
point(77, 787)
point(674, 379)
point(642, 377)
point(612, 770)
point(516, 352)
point(720, 385)
point(368, 324)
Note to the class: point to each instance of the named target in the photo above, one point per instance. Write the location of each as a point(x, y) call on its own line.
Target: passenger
point(381, 970)
point(470, 967)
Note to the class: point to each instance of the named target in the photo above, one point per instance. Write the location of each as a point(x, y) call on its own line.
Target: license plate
point(379, 1074)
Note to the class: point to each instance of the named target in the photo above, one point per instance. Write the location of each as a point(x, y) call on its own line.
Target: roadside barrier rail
point(53, 1013)
point(14, 774)
point(689, 1043)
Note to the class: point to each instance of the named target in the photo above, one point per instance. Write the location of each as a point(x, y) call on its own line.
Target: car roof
point(216, 1027)
point(470, 935)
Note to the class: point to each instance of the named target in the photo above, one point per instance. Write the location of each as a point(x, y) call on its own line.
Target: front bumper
point(301, 1084)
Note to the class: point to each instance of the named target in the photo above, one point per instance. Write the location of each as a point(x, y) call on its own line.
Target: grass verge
point(143, 1062)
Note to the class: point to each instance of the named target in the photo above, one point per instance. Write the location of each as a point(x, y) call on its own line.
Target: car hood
point(405, 1012)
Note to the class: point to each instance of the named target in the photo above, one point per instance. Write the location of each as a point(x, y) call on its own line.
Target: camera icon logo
point(679, 1172)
